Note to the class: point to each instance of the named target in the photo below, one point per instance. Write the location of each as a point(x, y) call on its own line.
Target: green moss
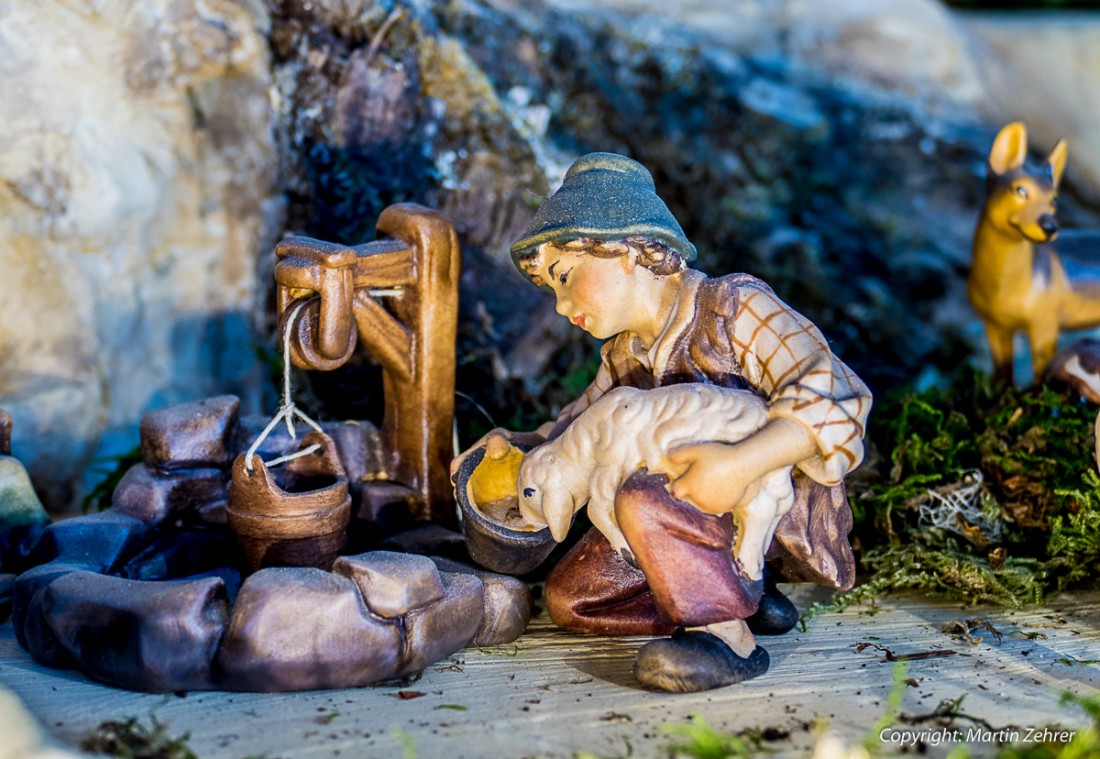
point(698, 739)
point(132, 739)
point(981, 493)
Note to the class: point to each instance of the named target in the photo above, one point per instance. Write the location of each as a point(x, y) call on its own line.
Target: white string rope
point(287, 410)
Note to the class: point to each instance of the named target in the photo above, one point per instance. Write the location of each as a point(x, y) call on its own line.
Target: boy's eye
point(564, 276)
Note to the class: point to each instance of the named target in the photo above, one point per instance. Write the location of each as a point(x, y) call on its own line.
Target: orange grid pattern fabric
point(786, 356)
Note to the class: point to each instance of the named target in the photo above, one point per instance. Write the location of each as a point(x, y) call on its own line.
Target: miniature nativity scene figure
point(1028, 277)
point(710, 449)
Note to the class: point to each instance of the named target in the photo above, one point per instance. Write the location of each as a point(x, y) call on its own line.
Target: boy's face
point(597, 294)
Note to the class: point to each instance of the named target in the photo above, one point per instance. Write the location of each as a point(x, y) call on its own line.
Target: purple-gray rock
point(359, 445)
point(100, 542)
point(7, 588)
point(31, 630)
point(380, 506)
point(508, 604)
point(147, 636)
point(430, 539)
point(300, 628)
point(441, 628)
point(386, 506)
point(190, 435)
point(183, 552)
point(392, 583)
point(277, 443)
point(152, 496)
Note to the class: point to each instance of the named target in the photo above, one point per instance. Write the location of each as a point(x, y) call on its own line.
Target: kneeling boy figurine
point(615, 258)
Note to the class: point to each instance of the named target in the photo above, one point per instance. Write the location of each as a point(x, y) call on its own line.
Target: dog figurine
point(1025, 276)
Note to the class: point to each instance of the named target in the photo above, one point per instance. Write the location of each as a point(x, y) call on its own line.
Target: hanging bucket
point(296, 516)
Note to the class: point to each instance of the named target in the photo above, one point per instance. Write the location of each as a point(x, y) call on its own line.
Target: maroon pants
point(686, 573)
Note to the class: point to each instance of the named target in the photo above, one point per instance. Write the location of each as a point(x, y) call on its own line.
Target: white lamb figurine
point(627, 429)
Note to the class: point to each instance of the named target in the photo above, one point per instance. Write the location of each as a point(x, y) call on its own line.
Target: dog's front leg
point(1043, 336)
point(1000, 347)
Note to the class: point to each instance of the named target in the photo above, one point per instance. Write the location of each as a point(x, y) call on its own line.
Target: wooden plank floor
point(554, 694)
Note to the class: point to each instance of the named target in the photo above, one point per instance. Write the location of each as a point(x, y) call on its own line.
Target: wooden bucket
point(295, 518)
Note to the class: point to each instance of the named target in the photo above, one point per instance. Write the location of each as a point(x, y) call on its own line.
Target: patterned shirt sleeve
point(785, 355)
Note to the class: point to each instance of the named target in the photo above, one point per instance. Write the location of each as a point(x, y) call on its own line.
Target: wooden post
point(412, 336)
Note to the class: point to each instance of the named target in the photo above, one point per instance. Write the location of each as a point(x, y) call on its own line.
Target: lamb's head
point(544, 493)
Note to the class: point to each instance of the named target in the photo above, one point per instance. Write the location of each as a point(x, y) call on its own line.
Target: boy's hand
point(716, 477)
point(710, 479)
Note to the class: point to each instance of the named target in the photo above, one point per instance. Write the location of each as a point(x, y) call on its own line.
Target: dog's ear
point(1056, 162)
point(1009, 149)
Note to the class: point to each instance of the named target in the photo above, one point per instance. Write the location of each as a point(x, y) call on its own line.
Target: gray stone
point(100, 542)
point(304, 628)
point(392, 583)
point(190, 435)
point(1056, 100)
point(22, 517)
point(152, 496)
point(131, 256)
point(440, 629)
point(508, 604)
point(148, 636)
point(19, 504)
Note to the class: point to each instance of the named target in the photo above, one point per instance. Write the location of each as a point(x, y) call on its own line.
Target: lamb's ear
point(557, 509)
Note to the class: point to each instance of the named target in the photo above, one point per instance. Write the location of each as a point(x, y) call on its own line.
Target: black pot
point(494, 546)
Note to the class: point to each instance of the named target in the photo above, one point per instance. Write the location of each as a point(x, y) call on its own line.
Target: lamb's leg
point(758, 518)
point(602, 513)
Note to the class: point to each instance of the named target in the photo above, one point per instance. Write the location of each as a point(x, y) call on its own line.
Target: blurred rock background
point(152, 151)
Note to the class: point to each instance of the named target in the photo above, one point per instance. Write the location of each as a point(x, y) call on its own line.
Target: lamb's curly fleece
point(627, 429)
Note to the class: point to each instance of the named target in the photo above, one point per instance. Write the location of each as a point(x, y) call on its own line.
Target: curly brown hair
point(653, 255)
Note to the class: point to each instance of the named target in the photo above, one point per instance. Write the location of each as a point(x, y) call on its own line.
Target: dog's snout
point(1048, 224)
